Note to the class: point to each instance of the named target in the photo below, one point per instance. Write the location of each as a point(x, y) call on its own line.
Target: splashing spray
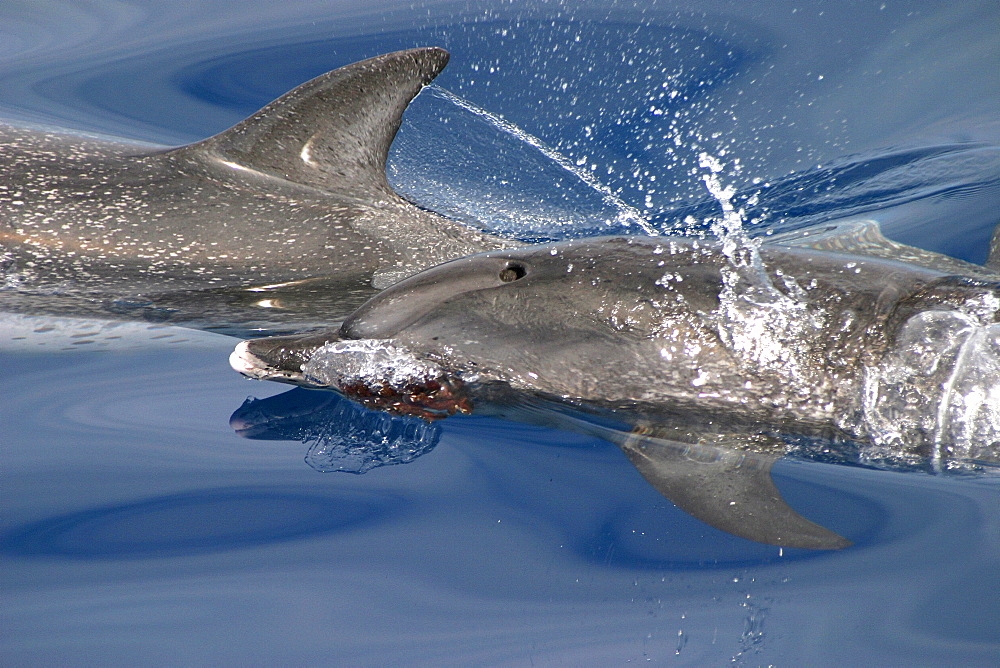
point(627, 214)
point(755, 319)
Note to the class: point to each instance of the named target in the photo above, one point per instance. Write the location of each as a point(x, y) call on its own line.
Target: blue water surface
point(141, 527)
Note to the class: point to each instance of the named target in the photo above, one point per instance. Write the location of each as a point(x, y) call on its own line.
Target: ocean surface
point(141, 525)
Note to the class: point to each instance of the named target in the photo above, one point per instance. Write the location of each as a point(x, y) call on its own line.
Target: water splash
point(10, 277)
point(729, 229)
point(753, 636)
point(358, 439)
point(368, 361)
point(627, 214)
point(755, 319)
point(380, 375)
point(941, 385)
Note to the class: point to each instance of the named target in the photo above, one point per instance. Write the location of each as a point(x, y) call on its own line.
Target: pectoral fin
point(723, 479)
point(730, 490)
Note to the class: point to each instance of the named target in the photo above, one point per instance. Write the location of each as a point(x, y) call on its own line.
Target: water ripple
point(202, 521)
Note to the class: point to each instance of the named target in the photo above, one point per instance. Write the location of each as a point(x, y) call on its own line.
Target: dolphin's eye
point(513, 272)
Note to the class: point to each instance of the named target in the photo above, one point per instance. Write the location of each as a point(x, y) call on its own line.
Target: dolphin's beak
point(247, 363)
point(279, 358)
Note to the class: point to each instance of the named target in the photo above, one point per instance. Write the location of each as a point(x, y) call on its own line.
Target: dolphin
point(797, 341)
point(290, 210)
point(832, 332)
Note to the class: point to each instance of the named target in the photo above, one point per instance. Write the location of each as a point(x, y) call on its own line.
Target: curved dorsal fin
point(864, 237)
point(334, 131)
point(993, 261)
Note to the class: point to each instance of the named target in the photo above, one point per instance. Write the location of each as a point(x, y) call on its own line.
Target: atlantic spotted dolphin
point(834, 332)
point(292, 196)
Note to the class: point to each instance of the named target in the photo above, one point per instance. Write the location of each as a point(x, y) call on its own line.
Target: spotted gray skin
point(294, 192)
point(646, 326)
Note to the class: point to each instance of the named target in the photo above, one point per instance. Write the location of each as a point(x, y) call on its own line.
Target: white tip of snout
point(247, 363)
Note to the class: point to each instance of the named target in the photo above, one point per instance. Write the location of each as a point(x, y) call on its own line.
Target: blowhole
point(513, 272)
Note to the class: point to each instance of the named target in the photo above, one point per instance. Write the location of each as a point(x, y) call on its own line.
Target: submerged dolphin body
point(291, 207)
point(833, 332)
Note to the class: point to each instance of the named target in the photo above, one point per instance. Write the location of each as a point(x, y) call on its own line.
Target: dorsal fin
point(858, 237)
point(864, 237)
point(334, 131)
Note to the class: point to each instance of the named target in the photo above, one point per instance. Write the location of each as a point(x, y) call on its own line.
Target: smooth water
point(141, 526)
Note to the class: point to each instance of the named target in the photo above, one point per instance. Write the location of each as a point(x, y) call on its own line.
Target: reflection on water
point(342, 435)
point(512, 544)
